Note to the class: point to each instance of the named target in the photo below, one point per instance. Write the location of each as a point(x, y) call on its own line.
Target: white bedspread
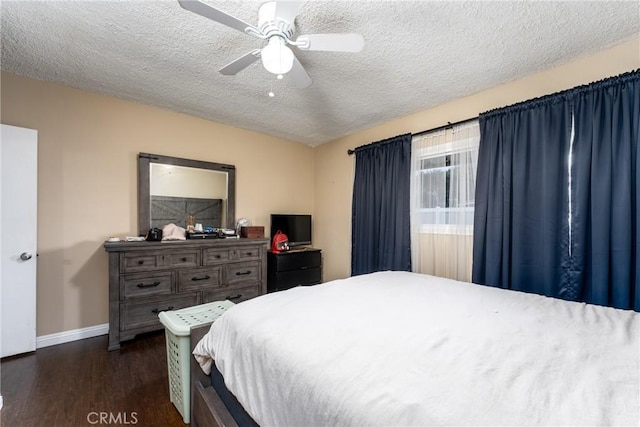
point(396, 348)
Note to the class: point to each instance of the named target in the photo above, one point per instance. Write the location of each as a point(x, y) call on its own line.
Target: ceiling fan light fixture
point(277, 58)
point(276, 25)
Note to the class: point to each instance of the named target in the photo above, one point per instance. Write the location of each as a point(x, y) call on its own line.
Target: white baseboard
point(73, 335)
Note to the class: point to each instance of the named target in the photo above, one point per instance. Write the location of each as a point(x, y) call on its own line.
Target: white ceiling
point(418, 54)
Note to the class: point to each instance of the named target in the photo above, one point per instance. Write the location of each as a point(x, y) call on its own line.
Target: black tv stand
point(301, 266)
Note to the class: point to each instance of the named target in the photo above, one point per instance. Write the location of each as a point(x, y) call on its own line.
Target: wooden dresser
point(146, 278)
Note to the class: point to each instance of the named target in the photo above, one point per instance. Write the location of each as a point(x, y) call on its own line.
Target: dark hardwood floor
point(81, 384)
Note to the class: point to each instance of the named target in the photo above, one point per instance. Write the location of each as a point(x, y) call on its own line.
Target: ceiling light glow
point(277, 58)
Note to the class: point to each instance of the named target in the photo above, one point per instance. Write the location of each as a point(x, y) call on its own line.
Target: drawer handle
point(243, 273)
point(184, 259)
point(217, 256)
point(151, 285)
point(140, 262)
point(234, 297)
point(195, 279)
point(157, 310)
point(303, 268)
point(249, 253)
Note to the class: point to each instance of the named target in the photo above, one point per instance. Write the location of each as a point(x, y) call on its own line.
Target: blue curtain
point(557, 200)
point(520, 227)
point(380, 227)
point(605, 259)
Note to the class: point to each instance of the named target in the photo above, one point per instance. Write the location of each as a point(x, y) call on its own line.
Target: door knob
point(25, 256)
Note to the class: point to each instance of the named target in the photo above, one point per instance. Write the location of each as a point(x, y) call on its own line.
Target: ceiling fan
point(276, 26)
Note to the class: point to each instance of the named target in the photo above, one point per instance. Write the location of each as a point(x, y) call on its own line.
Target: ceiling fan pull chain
point(271, 94)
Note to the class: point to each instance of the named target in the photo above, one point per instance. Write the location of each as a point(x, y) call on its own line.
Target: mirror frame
point(144, 185)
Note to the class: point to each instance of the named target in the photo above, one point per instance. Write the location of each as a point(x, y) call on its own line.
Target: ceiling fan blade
point(240, 63)
point(347, 42)
point(214, 14)
point(287, 10)
point(299, 76)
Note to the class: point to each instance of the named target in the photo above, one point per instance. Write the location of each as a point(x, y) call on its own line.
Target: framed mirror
point(170, 189)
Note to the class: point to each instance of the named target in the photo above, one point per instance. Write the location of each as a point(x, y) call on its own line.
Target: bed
point(399, 348)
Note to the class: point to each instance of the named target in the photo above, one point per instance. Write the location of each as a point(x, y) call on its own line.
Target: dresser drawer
point(243, 272)
point(196, 279)
point(235, 294)
point(247, 253)
point(181, 259)
point(145, 284)
point(296, 260)
point(215, 256)
point(131, 263)
point(138, 314)
point(222, 256)
point(291, 278)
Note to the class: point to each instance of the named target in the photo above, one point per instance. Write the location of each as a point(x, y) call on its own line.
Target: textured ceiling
point(418, 54)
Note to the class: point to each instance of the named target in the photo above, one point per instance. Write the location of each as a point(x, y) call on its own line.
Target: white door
point(18, 216)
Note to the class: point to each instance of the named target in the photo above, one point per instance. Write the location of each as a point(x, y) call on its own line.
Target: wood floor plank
point(21, 375)
point(77, 383)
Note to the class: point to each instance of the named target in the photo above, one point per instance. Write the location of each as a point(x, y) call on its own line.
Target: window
point(444, 180)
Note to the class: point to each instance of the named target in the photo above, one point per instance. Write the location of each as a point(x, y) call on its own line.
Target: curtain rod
point(447, 126)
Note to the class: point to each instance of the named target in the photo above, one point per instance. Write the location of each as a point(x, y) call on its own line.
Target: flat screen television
point(297, 228)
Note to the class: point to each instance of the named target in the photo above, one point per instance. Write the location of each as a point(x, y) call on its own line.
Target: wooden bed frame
point(207, 409)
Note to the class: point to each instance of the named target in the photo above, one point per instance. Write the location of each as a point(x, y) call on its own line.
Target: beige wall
point(87, 183)
point(334, 169)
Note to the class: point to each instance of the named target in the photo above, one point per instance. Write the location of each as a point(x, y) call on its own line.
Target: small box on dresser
point(146, 278)
point(252, 232)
